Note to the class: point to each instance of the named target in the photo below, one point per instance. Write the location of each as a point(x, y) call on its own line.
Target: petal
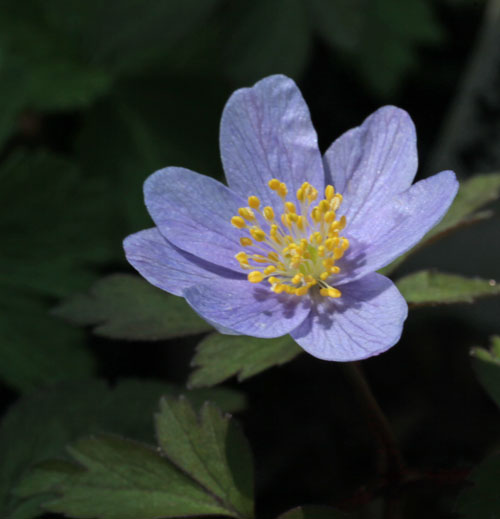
point(365, 321)
point(167, 267)
point(370, 164)
point(266, 132)
point(246, 308)
point(396, 227)
point(194, 213)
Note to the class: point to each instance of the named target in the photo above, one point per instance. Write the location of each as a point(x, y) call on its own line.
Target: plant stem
point(392, 461)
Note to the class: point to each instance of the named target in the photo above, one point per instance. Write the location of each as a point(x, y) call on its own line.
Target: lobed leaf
point(482, 499)
point(122, 479)
point(429, 287)
point(487, 367)
point(473, 194)
point(123, 306)
point(219, 357)
point(211, 449)
point(203, 467)
point(40, 425)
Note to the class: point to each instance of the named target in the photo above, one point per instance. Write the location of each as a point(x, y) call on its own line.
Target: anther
point(238, 222)
point(253, 202)
point(255, 276)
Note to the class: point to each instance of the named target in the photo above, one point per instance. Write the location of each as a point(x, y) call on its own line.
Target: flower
point(292, 246)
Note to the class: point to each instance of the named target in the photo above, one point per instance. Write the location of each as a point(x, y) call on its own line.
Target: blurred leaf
point(482, 499)
point(39, 426)
point(52, 229)
point(388, 46)
point(429, 287)
point(173, 122)
point(313, 512)
point(472, 195)
point(211, 449)
point(35, 348)
point(487, 366)
point(124, 306)
point(266, 37)
point(62, 54)
point(339, 22)
point(219, 357)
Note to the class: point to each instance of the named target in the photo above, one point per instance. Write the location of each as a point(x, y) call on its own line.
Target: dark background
point(96, 96)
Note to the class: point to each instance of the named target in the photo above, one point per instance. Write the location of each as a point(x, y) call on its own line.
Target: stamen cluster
point(296, 250)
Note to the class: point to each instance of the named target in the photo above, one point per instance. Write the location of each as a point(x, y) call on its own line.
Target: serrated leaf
point(487, 366)
point(473, 194)
point(211, 449)
point(124, 306)
point(40, 425)
point(122, 479)
point(219, 357)
point(45, 350)
point(203, 467)
point(482, 499)
point(314, 512)
point(429, 287)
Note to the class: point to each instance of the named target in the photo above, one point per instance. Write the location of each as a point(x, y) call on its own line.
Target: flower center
point(298, 249)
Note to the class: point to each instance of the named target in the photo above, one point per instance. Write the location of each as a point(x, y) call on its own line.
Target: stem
point(393, 464)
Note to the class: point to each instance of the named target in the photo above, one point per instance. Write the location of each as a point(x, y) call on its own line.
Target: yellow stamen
point(297, 249)
point(254, 202)
point(330, 292)
point(268, 213)
point(255, 276)
point(258, 234)
point(238, 222)
point(246, 213)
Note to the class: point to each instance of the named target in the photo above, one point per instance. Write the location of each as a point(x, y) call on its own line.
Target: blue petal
point(167, 267)
point(365, 321)
point(397, 226)
point(246, 308)
point(372, 163)
point(266, 132)
point(194, 213)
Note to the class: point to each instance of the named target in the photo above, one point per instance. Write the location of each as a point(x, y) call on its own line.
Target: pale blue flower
point(278, 251)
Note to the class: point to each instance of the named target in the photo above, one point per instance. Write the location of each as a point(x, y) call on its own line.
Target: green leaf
point(266, 37)
point(429, 287)
point(487, 366)
point(54, 59)
point(122, 479)
point(203, 467)
point(473, 194)
point(211, 449)
point(340, 23)
point(219, 357)
point(482, 499)
point(313, 512)
point(40, 425)
point(36, 348)
point(143, 143)
point(124, 306)
point(42, 197)
point(388, 45)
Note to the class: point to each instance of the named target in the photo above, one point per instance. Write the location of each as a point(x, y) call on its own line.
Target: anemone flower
point(292, 244)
